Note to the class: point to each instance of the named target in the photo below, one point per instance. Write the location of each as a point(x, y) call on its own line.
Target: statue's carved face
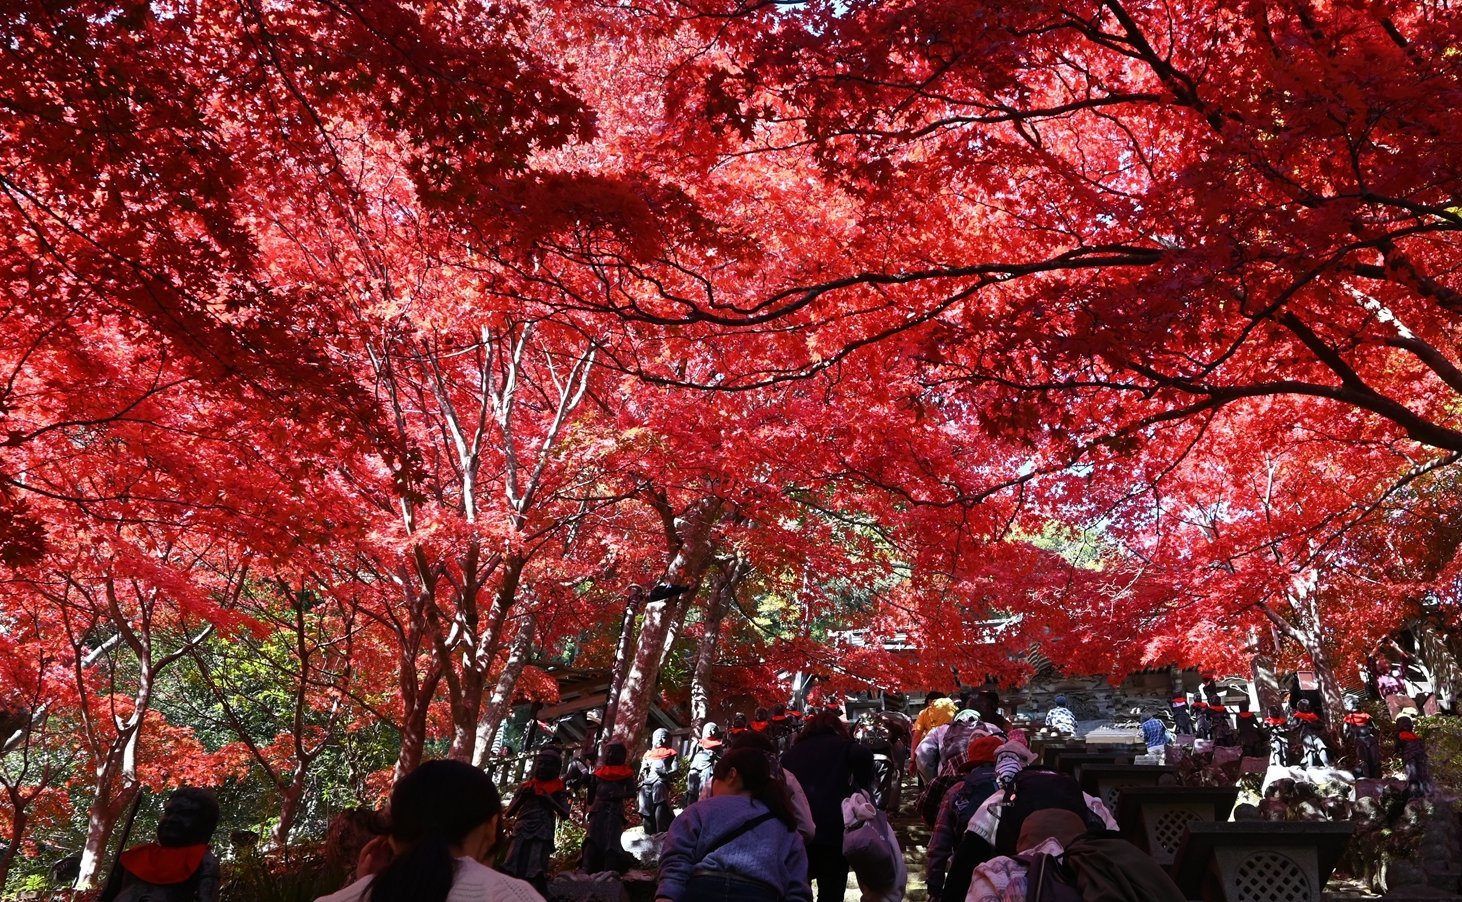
point(188, 818)
point(547, 767)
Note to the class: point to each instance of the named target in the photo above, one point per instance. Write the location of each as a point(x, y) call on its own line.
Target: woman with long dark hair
point(739, 845)
point(445, 817)
point(829, 765)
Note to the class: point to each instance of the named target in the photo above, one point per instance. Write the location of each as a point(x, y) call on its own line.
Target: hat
point(1011, 758)
point(1061, 700)
point(981, 749)
point(1050, 823)
point(967, 716)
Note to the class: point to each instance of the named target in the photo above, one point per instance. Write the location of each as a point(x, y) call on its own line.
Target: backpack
point(869, 845)
point(955, 742)
point(1098, 865)
point(933, 794)
point(1050, 879)
point(1032, 791)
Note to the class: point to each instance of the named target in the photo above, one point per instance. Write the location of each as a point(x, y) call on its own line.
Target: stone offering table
point(1049, 749)
point(1259, 861)
point(1106, 781)
point(1126, 740)
point(1156, 818)
point(1067, 762)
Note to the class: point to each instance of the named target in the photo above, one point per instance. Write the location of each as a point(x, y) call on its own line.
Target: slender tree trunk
point(469, 717)
point(414, 720)
point(1266, 684)
point(116, 782)
point(19, 820)
point(634, 606)
point(501, 701)
point(710, 640)
point(289, 806)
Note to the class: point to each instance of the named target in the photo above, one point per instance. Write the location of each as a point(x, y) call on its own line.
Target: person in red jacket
point(179, 867)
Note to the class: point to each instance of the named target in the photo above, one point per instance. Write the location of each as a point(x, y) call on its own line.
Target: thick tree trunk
point(1267, 692)
point(1306, 630)
point(501, 702)
point(687, 568)
point(466, 710)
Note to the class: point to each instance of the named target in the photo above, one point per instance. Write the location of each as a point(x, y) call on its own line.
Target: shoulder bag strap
point(746, 827)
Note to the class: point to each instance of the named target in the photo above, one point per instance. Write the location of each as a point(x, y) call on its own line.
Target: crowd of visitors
point(783, 805)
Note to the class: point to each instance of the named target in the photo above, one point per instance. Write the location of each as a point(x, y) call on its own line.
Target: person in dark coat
point(657, 773)
point(535, 811)
point(580, 772)
point(180, 866)
point(613, 782)
point(987, 703)
point(829, 765)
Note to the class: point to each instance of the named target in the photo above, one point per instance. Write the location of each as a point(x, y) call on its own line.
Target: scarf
point(613, 772)
point(163, 865)
point(545, 787)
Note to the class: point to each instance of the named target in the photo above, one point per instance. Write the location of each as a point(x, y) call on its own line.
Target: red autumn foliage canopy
point(1126, 328)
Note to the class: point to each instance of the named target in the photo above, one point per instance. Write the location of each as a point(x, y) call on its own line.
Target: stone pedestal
point(1156, 818)
point(1107, 781)
point(1259, 861)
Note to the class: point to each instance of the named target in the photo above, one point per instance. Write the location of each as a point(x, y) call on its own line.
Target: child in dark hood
point(179, 867)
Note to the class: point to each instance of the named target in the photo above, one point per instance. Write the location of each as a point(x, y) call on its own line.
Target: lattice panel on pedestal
point(1170, 826)
point(1272, 877)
